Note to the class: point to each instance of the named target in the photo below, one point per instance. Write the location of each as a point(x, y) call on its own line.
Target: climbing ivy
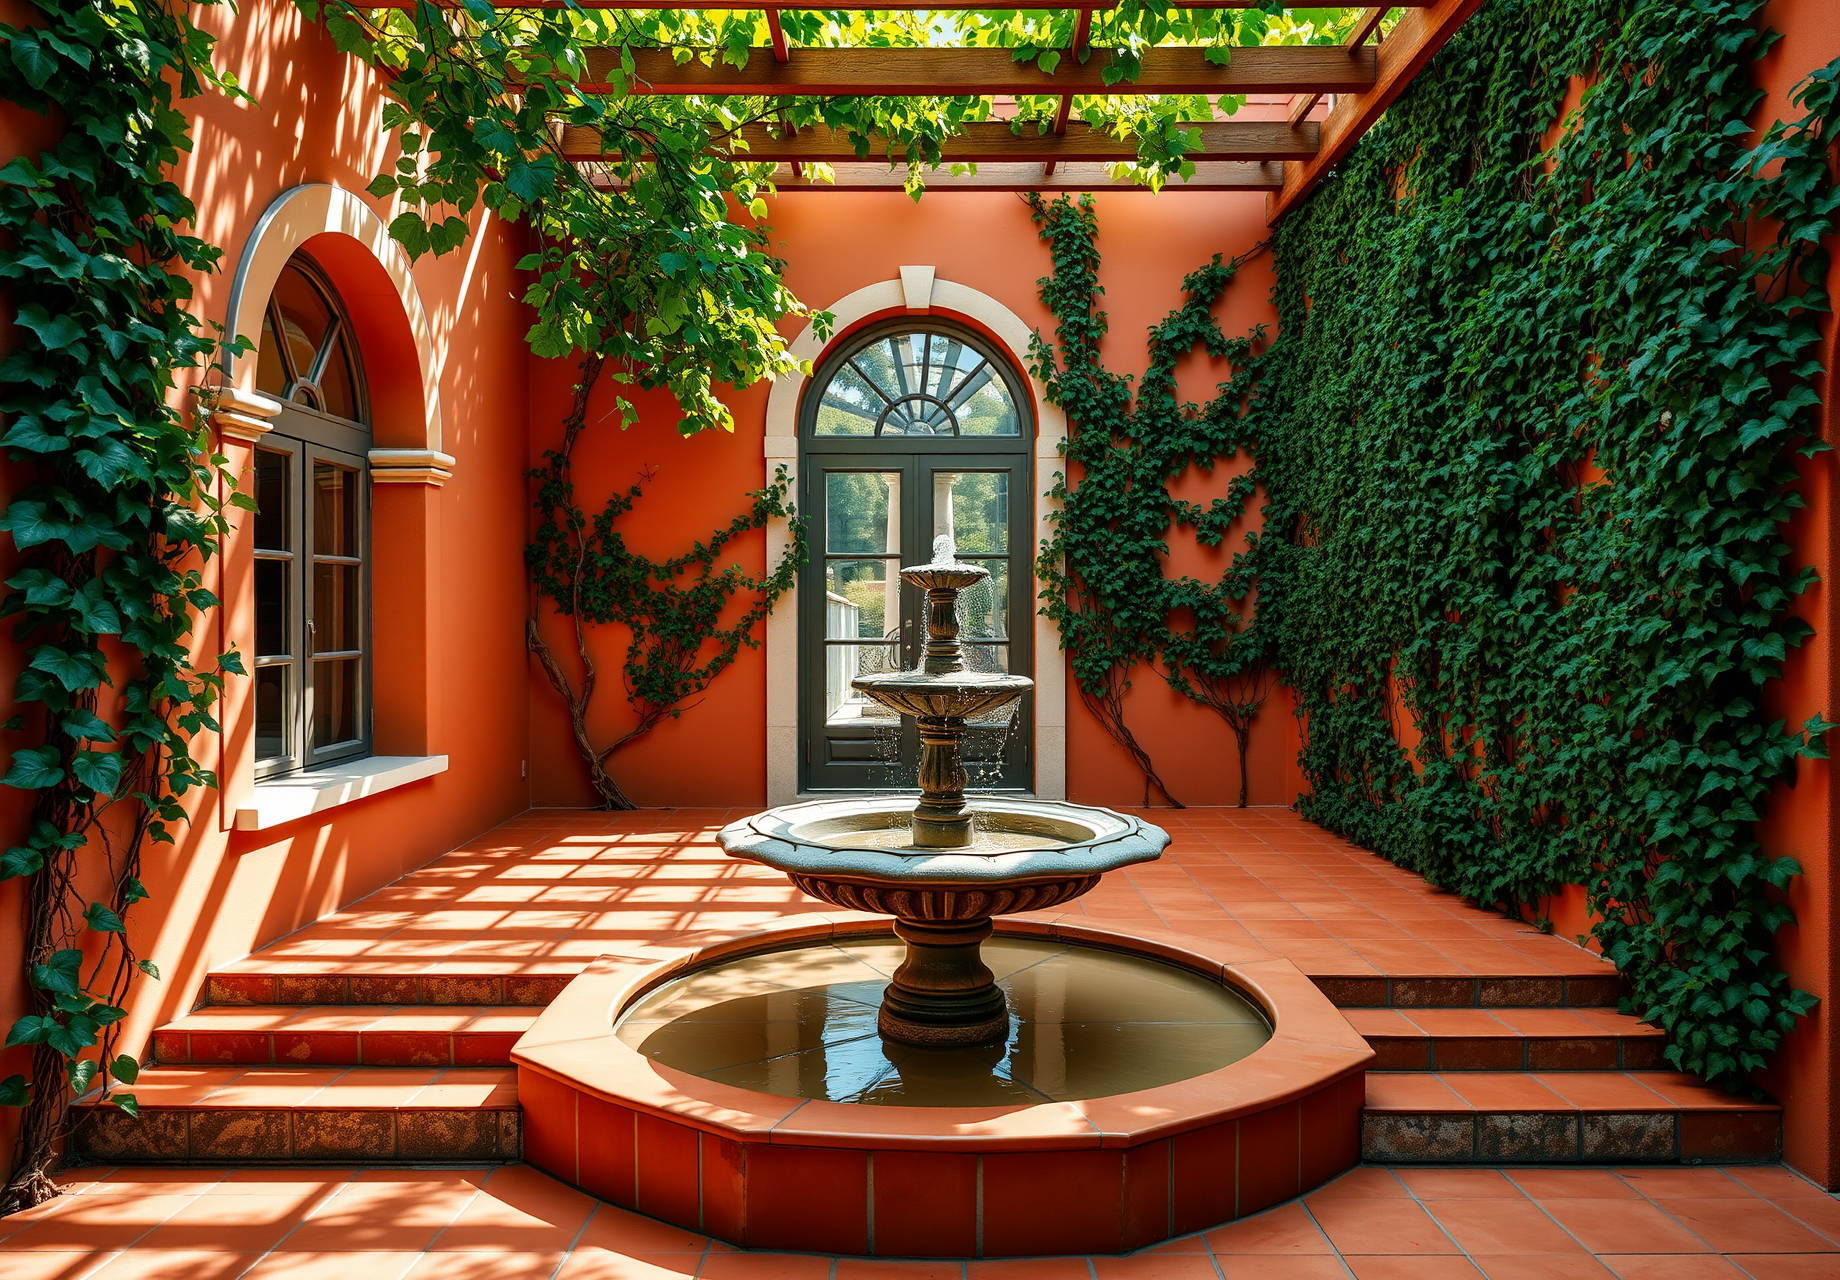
point(676, 611)
point(118, 509)
point(1103, 570)
point(1532, 425)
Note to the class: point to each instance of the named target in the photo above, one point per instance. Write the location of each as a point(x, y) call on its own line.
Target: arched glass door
point(911, 433)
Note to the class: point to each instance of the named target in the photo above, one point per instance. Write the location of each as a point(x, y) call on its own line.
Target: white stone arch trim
point(917, 291)
point(296, 216)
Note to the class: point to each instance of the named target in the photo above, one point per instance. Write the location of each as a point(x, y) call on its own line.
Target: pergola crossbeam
point(1077, 176)
point(983, 72)
point(992, 140)
point(1419, 34)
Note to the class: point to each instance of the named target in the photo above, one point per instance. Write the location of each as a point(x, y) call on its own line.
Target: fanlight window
point(310, 364)
point(924, 383)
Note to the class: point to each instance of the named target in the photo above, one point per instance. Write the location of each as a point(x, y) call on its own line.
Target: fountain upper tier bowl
point(1014, 840)
point(941, 865)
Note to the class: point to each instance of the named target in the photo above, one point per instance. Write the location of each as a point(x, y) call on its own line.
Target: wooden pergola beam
point(991, 140)
point(1081, 176)
point(1402, 55)
point(984, 72)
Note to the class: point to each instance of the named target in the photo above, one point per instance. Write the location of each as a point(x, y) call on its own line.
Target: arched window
point(312, 532)
point(918, 383)
point(914, 433)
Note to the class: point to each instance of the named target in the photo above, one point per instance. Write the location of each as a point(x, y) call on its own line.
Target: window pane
point(972, 508)
point(849, 406)
point(983, 609)
point(337, 622)
point(337, 388)
point(271, 373)
point(335, 510)
point(305, 319)
point(271, 497)
point(842, 704)
point(272, 578)
point(862, 599)
point(335, 701)
point(862, 512)
point(983, 406)
point(272, 722)
point(989, 657)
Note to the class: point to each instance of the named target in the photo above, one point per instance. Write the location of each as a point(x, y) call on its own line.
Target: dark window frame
point(307, 439)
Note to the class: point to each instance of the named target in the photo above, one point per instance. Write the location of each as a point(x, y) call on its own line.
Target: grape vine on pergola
point(1357, 78)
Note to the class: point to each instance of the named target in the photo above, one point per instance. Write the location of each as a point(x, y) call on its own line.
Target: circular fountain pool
point(1085, 1023)
point(638, 1086)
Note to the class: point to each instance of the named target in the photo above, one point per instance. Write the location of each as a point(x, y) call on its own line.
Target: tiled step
point(1596, 984)
point(345, 1035)
point(351, 1115)
point(1509, 1040)
point(1562, 1117)
point(250, 982)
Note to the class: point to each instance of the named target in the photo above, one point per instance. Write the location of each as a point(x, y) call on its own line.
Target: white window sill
point(304, 795)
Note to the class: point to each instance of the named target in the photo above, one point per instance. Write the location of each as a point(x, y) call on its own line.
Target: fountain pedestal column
point(942, 819)
point(944, 995)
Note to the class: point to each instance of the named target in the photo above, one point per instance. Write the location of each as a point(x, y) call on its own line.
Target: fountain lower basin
point(1104, 1174)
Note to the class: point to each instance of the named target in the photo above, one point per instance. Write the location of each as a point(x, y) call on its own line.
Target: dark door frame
point(916, 458)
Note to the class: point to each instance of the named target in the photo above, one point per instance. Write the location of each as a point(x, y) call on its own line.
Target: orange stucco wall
point(1801, 820)
point(833, 244)
point(220, 893)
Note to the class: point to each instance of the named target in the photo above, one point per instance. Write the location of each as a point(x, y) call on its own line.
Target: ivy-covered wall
point(1537, 421)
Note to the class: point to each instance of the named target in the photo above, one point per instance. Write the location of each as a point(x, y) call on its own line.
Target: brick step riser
point(334, 1048)
point(1654, 1137)
point(1518, 1053)
point(522, 991)
point(183, 1135)
point(1472, 993)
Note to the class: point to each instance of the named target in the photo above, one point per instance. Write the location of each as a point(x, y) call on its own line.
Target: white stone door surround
point(918, 291)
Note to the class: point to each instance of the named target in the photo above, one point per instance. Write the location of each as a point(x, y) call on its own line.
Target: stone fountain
point(943, 865)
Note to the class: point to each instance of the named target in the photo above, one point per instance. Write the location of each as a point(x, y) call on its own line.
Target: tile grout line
point(1650, 1201)
point(1413, 1196)
point(580, 1231)
point(298, 1225)
point(1334, 1250)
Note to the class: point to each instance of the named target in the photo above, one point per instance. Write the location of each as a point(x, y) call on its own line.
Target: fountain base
point(944, 995)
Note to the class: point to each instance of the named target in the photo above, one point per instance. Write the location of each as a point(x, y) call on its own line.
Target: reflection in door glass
point(842, 704)
point(973, 507)
point(862, 512)
point(863, 599)
point(983, 610)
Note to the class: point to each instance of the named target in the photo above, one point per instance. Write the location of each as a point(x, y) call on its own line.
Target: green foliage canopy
point(120, 510)
point(1534, 417)
point(655, 260)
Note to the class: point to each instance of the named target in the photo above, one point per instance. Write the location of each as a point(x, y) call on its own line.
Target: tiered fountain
point(943, 866)
point(813, 1084)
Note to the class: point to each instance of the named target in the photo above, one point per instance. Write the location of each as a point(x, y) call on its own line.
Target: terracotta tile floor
point(547, 892)
point(512, 1222)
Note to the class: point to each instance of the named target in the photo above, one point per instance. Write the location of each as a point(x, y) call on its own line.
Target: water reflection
point(1087, 1024)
